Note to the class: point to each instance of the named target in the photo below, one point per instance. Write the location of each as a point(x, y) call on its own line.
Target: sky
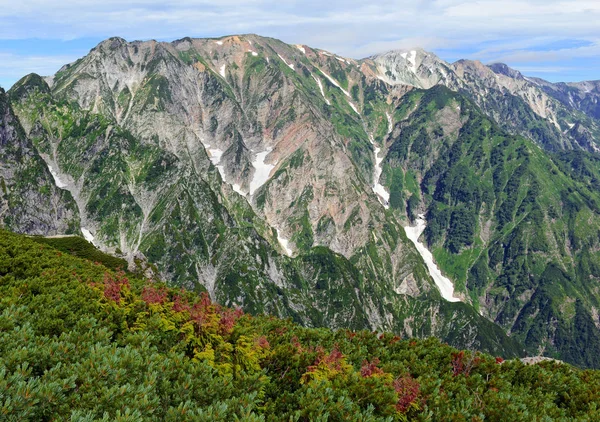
point(558, 40)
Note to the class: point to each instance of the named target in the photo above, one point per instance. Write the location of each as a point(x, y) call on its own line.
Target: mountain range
point(289, 180)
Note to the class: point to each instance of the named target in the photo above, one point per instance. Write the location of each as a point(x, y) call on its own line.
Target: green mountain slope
point(79, 341)
point(515, 228)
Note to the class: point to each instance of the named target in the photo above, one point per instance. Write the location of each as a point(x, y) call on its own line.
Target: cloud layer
point(560, 38)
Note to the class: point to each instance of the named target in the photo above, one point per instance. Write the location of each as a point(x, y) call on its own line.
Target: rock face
point(531, 107)
point(30, 202)
point(280, 177)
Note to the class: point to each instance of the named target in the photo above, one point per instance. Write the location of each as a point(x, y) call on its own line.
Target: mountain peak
point(111, 43)
point(504, 69)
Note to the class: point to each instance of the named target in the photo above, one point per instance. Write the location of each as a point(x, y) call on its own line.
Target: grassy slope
point(79, 341)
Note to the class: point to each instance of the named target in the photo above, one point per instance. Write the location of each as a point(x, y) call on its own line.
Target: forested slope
point(79, 341)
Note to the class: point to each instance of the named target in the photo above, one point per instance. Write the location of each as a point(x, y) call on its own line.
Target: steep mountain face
point(582, 96)
point(281, 177)
point(30, 201)
point(521, 105)
point(510, 224)
point(245, 167)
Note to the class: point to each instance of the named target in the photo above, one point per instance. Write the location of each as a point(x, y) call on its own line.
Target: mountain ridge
point(217, 159)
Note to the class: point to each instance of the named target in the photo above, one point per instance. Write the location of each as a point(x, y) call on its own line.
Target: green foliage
point(79, 341)
point(80, 247)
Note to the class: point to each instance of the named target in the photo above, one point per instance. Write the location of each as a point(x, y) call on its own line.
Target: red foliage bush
point(180, 304)
point(151, 294)
point(262, 342)
point(114, 285)
point(463, 364)
point(332, 361)
point(408, 390)
point(369, 369)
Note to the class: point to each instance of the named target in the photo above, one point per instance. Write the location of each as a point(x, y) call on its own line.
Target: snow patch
point(341, 60)
point(237, 188)
point(444, 284)
point(222, 71)
point(299, 47)
point(378, 189)
point(284, 243)
point(57, 180)
point(412, 59)
point(262, 171)
point(333, 81)
point(254, 53)
point(291, 66)
point(215, 154)
point(353, 107)
point(390, 122)
point(318, 81)
point(219, 42)
point(88, 235)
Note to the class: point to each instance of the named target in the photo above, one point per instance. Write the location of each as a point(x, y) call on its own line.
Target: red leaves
point(180, 304)
point(332, 361)
point(499, 360)
point(114, 285)
point(408, 390)
point(369, 369)
point(262, 342)
point(151, 294)
point(227, 321)
point(463, 364)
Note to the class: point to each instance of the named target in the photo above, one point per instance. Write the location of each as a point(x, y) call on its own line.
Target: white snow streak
point(57, 180)
point(299, 47)
point(291, 66)
point(284, 243)
point(353, 107)
point(262, 171)
point(378, 189)
point(390, 123)
point(333, 81)
point(342, 60)
point(412, 58)
point(318, 81)
point(215, 154)
point(254, 53)
point(219, 42)
point(444, 284)
point(88, 235)
point(222, 71)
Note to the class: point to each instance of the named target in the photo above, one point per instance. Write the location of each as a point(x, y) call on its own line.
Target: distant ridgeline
point(281, 178)
point(81, 341)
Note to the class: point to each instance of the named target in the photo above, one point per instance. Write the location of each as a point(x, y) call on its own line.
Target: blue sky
point(558, 40)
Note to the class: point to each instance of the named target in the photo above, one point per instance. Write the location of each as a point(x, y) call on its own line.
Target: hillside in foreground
point(80, 341)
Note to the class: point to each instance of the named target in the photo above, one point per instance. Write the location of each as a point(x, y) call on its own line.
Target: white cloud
point(16, 66)
point(352, 28)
